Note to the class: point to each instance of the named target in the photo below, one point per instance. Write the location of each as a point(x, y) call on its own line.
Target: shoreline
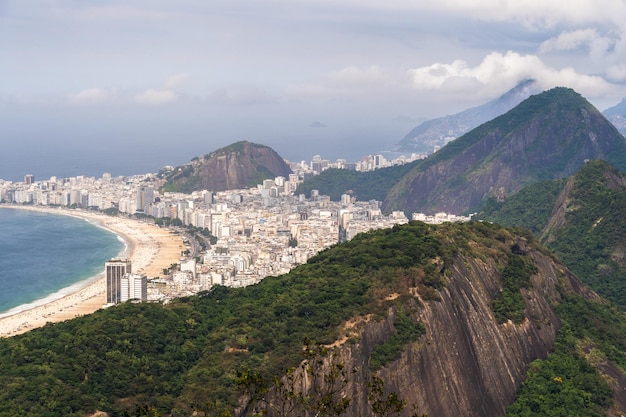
point(150, 249)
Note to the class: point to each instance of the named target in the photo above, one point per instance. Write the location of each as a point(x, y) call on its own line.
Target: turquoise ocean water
point(45, 256)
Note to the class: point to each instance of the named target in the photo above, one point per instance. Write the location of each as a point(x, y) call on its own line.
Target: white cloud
point(532, 13)
point(351, 81)
point(92, 96)
point(589, 38)
point(175, 81)
point(617, 73)
point(156, 97)
point(499, 72)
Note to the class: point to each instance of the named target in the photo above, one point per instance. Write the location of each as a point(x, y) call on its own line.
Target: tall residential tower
point(115, 270)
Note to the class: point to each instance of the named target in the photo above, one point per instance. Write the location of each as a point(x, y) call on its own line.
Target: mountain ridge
point(549, 135)
point(586, 208)
point(437, 132)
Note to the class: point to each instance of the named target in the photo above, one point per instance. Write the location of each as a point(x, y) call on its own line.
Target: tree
point(316, 388)
point(382, 405)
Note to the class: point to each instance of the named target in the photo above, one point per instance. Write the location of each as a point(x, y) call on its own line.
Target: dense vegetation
point(567, 382)
point(407, 331)
point(184, 355)
point(591, 241)
point(191, 354)
point(531, 207)
point(370, 185)
point(509, 305)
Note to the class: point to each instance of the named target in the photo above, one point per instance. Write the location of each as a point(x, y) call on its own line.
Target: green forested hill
point(547, 136)
point(183, 355)
point(581, 219)
point(153, 359)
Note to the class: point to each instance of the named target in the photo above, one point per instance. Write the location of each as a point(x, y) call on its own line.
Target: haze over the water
point(127, 87)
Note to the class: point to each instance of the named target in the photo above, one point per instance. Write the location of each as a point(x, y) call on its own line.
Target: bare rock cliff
point(466, 364)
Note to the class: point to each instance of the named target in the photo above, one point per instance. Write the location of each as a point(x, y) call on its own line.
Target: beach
point(150, 249)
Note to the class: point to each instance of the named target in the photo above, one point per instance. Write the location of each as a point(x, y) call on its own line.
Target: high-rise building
point(29, 179)
point(133, 287)
point(115, 269)
point(145, 197)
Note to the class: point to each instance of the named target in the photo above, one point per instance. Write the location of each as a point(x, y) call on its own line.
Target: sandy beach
point(149, 248)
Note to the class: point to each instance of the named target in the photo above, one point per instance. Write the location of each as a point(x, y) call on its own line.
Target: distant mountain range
point(437, 132)
point(617, 116)
point(547, 136)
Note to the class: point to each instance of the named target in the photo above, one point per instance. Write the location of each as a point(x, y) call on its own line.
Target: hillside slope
point(581, 219)
point(450, 318)
point(549, 135)
point(240, 165)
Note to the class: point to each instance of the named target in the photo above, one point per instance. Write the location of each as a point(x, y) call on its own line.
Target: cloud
point(317, 124)
point(616, 73)
point(156, 97)
point(583, 38)
point(348, 82)
point(499, 72)
point(175, 81)
point(93, 96)
point(240, 95)
point(533, 14)
point(122, 12)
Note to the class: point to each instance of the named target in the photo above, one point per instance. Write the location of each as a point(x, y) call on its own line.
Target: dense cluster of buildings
point(260, 231)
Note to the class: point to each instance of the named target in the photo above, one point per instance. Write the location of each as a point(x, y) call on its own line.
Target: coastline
point(150, 249)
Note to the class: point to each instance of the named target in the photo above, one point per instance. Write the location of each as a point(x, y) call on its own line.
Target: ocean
point(44, 256)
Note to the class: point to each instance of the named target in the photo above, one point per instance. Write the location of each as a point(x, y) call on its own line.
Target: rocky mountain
point(617, 116)
point(443, 320)
point(547, 136)
point(581, 219)
point(240, 165)
point(437, 132)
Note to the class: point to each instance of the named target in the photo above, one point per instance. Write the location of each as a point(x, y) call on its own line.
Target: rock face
point(466, 364)
point(547, 136)
point(240, 165)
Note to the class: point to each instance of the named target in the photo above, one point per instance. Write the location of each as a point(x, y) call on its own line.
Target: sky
point(129, 86)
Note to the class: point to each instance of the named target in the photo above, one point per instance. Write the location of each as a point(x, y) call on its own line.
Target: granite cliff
point(468, 362)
